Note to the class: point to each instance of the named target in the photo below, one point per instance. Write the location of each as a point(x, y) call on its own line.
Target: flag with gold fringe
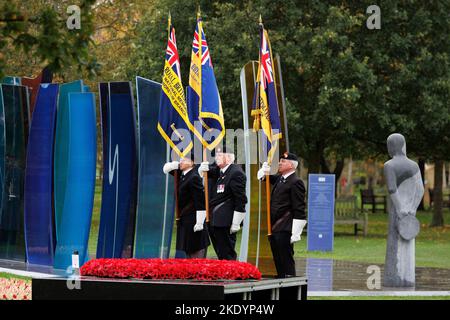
point(203, 101)
point(265, 105)
point(173, 120)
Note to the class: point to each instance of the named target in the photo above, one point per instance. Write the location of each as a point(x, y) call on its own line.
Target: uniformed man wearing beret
point(227, 201)
point(287, 212)
point(192, 234)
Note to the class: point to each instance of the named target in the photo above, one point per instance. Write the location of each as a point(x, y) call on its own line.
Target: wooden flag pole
point(269, 223)
point(177, 208)
point(205, 183)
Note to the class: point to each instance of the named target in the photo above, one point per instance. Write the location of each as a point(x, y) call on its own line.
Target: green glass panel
point(12, 241)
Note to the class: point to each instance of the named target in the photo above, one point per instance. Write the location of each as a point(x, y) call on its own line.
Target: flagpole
point(269, 161)
point(175, 175)
point(205, 174)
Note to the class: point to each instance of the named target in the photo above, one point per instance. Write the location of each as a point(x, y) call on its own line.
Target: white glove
point(170, 166)
point(200, 219)
point(204, 166)
point(265, 170)
point(297, 229)
point(237, 220)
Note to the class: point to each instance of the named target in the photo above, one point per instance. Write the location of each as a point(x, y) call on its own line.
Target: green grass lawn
point(95, 222)
point(12, 276)
point(432, 244)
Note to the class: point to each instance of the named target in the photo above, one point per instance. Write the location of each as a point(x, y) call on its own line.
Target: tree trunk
point(314, 162)
point(438, 218)
point(422, 173)
point(349, 177)
point(337, 170)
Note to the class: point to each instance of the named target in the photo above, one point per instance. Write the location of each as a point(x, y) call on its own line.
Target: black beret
point(225, 148)
point(289, 156)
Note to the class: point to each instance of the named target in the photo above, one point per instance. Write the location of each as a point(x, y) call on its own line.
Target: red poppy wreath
point(196, 269)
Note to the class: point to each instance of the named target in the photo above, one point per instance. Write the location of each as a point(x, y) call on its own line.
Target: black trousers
point(283, 254)
point(223, 242)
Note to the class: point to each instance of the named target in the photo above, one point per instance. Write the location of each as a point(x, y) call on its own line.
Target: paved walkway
point(326, 275)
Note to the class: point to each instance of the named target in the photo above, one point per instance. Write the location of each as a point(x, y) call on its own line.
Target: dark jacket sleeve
point(298, 200)
point(237, 185)
point(198, 192)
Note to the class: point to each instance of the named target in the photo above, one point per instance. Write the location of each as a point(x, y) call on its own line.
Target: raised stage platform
point(87, 288)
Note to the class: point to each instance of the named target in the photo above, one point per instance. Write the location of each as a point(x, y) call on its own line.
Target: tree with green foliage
point(347, 87)
point(37, 31)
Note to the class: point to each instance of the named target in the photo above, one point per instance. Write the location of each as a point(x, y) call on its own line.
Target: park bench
point(347, 212)
point(445, 199)
point(378, 202)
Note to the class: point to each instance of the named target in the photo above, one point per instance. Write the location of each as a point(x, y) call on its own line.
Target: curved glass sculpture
point(76, 212)
point(118, 209)
point(12, 242)
point(39, 222)
point(155, 210)
point(61, 146)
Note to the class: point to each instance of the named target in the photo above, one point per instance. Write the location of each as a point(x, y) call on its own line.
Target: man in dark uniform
point(287, 212)
point(227, 203)
point(192, 235)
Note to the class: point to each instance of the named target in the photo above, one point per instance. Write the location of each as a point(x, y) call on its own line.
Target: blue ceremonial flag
point(173, 115)
point(265, 105)
point(203, 102)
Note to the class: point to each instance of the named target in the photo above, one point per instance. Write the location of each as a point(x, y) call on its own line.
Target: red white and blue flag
point(265, 104)
point(173, 115)
point(203, 99)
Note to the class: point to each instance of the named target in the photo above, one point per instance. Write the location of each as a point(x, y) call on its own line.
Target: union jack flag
point(266, 63)
point(173, 118)
point(265, 103)
point(203, 99)
point(205, 50)
point(172, 52)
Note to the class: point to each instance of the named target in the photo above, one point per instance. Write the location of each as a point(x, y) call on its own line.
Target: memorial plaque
point(321, 212)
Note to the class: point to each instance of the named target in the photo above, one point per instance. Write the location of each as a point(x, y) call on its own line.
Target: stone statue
point(405, 187)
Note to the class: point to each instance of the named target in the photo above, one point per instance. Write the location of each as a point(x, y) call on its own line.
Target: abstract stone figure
point(405, 187)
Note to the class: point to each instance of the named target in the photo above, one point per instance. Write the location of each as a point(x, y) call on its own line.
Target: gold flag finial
point(198, 12)
point(260, 19)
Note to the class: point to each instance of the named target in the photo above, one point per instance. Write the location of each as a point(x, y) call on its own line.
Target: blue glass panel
point(61, 146)
point(39, 224)
point(118, 211)
point(11, 80)
point(75, 219)
point(155, 196)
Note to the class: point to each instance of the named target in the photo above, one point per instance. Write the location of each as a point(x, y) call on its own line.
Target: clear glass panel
point(156, 195)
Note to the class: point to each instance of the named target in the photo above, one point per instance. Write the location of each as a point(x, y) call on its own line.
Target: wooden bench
point(347, 212)
point(369, 198)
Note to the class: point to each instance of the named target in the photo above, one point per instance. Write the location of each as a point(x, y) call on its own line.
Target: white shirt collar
point(187, 170)
point(225, 168)
point(285, 176)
